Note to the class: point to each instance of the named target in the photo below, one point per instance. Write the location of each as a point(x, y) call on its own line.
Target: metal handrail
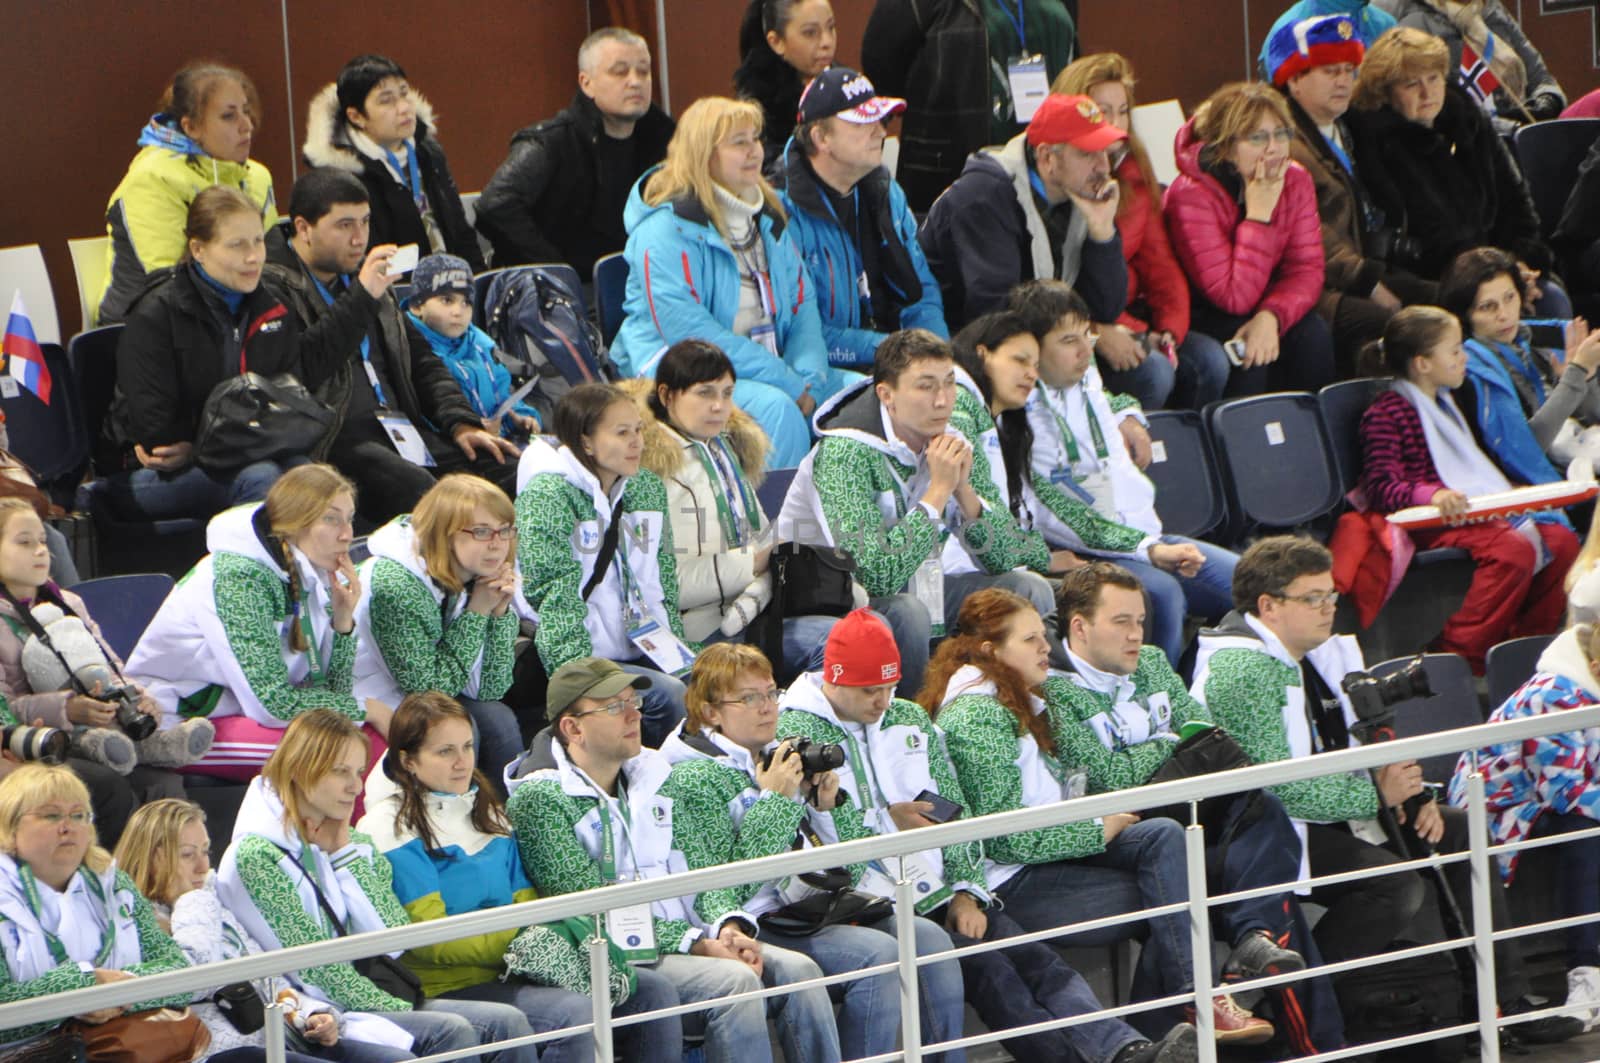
point(187, 981)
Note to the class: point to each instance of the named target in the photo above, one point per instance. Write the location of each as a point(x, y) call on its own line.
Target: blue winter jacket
point(834, 261)
point(683, 283)
point(484, 381)
point(1501, 421)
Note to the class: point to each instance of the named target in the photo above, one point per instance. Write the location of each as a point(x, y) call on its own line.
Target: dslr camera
point(1374, 697)
point(45, 744)
point(815, 757)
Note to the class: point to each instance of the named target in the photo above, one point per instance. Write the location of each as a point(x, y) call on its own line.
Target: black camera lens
point(135, 724)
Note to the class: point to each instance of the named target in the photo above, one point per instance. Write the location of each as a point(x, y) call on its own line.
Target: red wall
point(83, 76)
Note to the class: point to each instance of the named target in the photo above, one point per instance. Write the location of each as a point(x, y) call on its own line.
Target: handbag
point(1202, 753)
point(162, 1035)
point(846, 907)
point(253, 417)
point(385, 972)
point(60, 1045)
point(806, 581)
point(242, 1006)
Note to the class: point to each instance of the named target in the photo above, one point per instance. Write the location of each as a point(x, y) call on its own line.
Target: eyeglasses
point(1085, 339)
point(755, 699)
point(611, 708)
point(55, 819)
point(483, 533)
point(1261, 138)
point(1314, 600)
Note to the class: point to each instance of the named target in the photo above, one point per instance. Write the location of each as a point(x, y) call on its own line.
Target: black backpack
point(542, 334)
point(1404, 997)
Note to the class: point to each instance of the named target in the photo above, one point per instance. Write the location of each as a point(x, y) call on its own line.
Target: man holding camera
point(1313, 61)
point(1117, 717)
point(898, 777)
point(1271, 674)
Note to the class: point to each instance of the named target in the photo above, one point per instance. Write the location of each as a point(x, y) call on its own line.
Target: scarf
point(231, 298)
point(1462, 465)
point(473, 345)
point(1503, 60)
point(87, 915)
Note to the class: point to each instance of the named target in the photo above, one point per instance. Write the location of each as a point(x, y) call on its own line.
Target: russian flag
point(23, 356)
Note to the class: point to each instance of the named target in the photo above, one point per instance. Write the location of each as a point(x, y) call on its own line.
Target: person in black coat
point(783, 44)
point(1577, 238)
point(559, 195)
point(1431, 161)
point(193, 326)
point(370, 123)
point(402, 419)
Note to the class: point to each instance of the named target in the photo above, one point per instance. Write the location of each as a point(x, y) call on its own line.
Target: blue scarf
point(472, 346)
point(163, 131)
point(233, 299)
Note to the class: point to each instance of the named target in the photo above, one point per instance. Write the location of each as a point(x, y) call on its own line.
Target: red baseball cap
point(1074, 120)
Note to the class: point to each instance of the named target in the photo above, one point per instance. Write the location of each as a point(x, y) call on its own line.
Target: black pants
point(1365, 916)
point(388, 485)
point(1305, 352)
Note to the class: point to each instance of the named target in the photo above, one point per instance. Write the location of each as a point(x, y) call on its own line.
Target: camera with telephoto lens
point(815, 757)
point(1374, 697)
point(65, 655)
point(1392, 246)
point(135, 724)
point(46, 744)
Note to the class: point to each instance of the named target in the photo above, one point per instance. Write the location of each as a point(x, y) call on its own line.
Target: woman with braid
point(263, 628)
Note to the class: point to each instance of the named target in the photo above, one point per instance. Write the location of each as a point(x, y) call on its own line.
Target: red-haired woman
point(983, 686)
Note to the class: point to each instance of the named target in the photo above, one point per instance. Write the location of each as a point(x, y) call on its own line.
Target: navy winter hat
point(439, 275)
point(1311, 42)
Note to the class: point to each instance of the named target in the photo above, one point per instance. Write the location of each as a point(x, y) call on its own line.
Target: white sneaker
point(1583, 987)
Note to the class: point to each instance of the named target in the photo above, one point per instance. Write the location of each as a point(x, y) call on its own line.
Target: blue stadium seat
point(1277, 465)
point(1342, 406)
point(610, 286)
point(1550, 154)
point(1510, 664)
point(1454, 705)
point(53, 439)
point(772, 491)
point(123, 606)
point(1189, 497)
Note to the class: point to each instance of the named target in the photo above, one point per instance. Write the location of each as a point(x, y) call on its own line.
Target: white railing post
point(1205, 1018)
point(905, 918)
point(1483, 880)
point(600, 990)
point(277, 1015)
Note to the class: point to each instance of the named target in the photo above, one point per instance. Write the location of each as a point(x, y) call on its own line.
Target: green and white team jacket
point(858, 491)
point(1001, 767)
point(412, 636)
point(886, 763)
point(1118, 729)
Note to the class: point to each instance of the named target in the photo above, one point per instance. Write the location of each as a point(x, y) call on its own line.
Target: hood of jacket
point(645, 772)
point(261, 812)
point(1565, 657)
point(163, 131)
point(666, 450)
point(688, 209)
point(1186, 148)
point(855, 413)
point(805, 695)
point(328, 130)
point(244, 530)
point(397, 541)
point(540, 457)
point(450, 815)
point(682, 745)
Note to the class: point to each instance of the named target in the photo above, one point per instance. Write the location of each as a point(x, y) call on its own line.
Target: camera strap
point(37, 630)
point(1324, 711)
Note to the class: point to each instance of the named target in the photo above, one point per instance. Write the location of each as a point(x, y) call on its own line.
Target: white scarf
point(78, 916)
point(1461, 463)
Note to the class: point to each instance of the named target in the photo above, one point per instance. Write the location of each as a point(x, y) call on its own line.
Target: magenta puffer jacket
point(1242, 266)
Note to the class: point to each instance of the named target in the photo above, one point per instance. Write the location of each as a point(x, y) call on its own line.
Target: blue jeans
point(343, 1051)
point(1580, 884)
point(1031, 983)
point(1200, 376)
point(146, 494)
point(869, 1013)
point(1150, 381)
point(499, 736)
point(786, 426)
point(736, 1033)
point(662, 704)
point(1208, 593)
point(804, 639)
point(448, 1025)
point(1143, 867)
point(548, 1008)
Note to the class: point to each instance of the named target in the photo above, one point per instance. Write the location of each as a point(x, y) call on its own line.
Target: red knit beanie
point(861, 652)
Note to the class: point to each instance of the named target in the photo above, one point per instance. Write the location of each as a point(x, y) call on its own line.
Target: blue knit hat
point(438, 275)
point(1320, 41)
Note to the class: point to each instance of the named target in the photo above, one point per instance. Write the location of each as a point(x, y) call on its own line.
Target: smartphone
point(404, 260)
point(1548, 332)
point(1234, 349)
point(944, 809)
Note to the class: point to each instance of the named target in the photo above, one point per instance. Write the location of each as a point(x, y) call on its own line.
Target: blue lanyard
point(415, 183)
point(1017, 21)
point(366, 342)
point(1340, 154)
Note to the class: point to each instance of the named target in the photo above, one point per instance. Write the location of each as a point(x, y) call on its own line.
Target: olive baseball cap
point(587, 677)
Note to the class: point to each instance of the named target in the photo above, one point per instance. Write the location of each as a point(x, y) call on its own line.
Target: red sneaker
point(1235, 1024)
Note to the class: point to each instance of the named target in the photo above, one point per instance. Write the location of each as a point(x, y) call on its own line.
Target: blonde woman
point(295, 859)
point(72, 920)
point(710, 257)
point(437, 613)
point(166, 852)
point(263, 628)
point(1134, 350)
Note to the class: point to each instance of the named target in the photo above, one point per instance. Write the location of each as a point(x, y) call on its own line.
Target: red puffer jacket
point(1154, 275)
point(1243, 266)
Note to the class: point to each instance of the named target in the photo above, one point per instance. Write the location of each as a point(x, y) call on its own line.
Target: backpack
point(1404, 997)
point(541, 332)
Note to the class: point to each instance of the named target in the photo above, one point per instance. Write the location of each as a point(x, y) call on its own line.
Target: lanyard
point(763, 279)
point(1340, 154)
point(632, 595)
point(313, 658)
point(1068, 439)
point(1017, 21)
point(868, 775)
point(366, 343)
point(863, 293)
point(58, 951)
point(608, 843)
point(735, 510)
point(414, 185)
